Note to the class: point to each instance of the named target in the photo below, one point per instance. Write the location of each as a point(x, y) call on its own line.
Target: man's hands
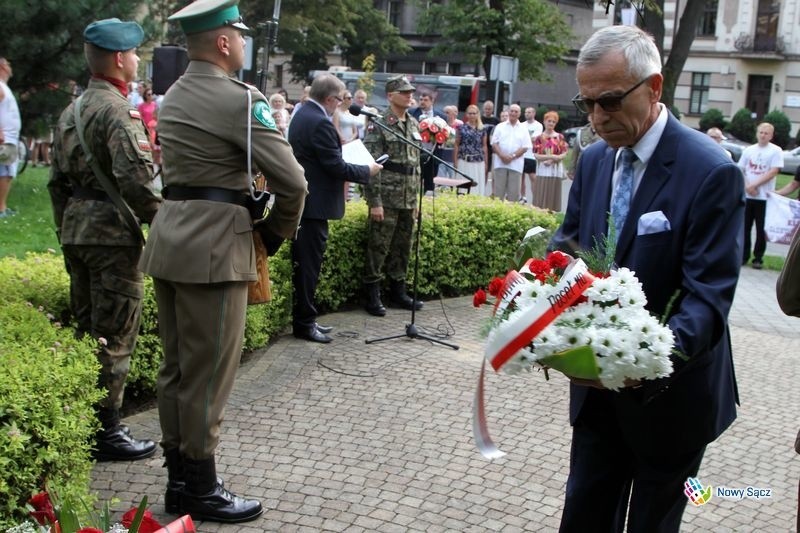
point(374, 168)
point(272, 241)
point(376, 213)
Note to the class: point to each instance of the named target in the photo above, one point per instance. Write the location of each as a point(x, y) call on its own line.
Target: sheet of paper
point(356, 153)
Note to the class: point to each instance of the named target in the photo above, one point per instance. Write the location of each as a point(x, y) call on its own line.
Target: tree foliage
point(43, 40)
point(310, 29)
point(534, 31)
point(712, 118)
point(742, 126)
point(782, 126)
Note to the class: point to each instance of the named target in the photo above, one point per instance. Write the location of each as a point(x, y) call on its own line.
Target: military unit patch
point(135, 114)
point(143, 143)
point(263, 114)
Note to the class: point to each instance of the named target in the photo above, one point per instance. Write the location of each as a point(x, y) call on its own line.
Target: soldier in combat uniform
point(100, 250)
point(392, 198)
point(200, 248)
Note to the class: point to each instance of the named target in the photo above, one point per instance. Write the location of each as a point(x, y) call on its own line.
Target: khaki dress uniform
point(200, 252)
point(396, 189)
point(101, 251)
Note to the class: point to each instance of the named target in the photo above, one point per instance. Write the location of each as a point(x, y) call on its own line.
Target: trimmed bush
point(743, 126)
point(47, 389)
point(712, 118)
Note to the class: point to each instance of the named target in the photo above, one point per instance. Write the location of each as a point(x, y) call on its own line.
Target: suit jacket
point(317, 148)
point(701, 192)
point(203, 132)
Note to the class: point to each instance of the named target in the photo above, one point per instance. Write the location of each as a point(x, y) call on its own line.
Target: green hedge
point(47, 378)
point(47, 389)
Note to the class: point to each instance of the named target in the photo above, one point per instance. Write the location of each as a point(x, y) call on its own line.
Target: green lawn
point(31, 229)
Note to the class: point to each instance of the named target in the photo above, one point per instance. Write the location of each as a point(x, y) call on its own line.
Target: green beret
point(114, 34)
point(204, 15)
point(398, 84)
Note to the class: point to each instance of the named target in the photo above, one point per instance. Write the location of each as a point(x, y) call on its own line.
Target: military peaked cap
point(204, 15)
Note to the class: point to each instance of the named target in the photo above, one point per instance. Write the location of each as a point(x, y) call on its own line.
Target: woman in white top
point(346, 124)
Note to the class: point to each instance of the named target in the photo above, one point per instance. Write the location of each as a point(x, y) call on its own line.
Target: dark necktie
point(621, 202)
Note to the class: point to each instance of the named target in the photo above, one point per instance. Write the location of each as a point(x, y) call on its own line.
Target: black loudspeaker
point(169, 63)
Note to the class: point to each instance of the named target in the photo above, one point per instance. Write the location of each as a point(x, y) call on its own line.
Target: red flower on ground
point(89, 530)
point(148, 525)
point(43, 511)
point(479, 298)
point(495, 286)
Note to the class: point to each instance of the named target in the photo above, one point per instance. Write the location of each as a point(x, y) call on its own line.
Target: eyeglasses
point(610, 104)
point(338, 98)
point(348, 97)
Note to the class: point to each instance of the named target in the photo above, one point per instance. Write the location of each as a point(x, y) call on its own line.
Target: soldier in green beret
point(392, 197)
point(101, 250)
point(200, 248)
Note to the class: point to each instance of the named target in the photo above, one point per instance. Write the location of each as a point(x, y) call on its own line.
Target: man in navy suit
point(317, 148)
point(633, 450)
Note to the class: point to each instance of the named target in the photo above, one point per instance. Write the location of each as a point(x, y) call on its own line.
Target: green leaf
point(576, 363)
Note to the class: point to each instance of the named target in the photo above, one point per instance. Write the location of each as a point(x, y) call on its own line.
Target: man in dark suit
point(316, 146)
point(633, 450)
point(427, 163)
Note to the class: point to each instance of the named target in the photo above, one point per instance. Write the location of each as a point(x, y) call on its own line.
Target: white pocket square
point(652, 222)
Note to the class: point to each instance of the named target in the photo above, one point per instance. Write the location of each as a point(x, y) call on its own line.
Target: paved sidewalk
point(357, 437)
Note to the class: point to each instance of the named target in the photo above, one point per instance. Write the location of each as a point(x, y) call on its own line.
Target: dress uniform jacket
point(202, 127)
point(397, 185)
point(118, 139)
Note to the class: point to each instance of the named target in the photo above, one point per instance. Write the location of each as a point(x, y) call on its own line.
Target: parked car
point(734, 145)
point(791, 160)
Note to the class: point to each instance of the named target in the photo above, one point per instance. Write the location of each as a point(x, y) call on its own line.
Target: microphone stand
point(412, 331)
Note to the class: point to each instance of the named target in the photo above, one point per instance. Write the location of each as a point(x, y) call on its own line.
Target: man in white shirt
point(760, 163)
point(535, 128)
point(10, 124)
point(510, 141)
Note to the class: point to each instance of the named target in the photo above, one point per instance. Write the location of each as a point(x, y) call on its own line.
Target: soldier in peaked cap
point(392, 199)
point(102, 251)
point(200, 248)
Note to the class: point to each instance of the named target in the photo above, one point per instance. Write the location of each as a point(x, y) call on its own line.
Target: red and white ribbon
point(510, 336)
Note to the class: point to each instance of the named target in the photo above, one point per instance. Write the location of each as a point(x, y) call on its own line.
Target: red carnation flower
point(89, 530)
point(43, 511)
point(426, 136)
point(441, 137)
point(495, 286)
point(479, 298)
point(558, 259)
point(539, 267)
point(148, 525)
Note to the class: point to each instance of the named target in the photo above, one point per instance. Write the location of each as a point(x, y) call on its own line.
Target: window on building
point(698, 99)
point(393, 9)
point(707, 23)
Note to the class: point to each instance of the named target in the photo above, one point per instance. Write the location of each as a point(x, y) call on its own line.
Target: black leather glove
point(272, 241)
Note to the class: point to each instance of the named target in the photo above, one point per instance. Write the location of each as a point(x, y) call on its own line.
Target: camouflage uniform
point(100, 250)
point(396, 189)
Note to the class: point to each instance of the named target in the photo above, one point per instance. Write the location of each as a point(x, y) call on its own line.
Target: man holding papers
point(316, 147)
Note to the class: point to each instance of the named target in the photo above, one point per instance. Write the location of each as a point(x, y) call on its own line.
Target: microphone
point(356, 110)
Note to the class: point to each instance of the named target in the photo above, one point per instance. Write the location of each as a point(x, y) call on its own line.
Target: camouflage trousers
point(106, 290)
point(389, 242)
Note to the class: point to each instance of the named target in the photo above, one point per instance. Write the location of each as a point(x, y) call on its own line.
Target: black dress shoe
point(311, 334)
point(323, 329)
point(115, 444)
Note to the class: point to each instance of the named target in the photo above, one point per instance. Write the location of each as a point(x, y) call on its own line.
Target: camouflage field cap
point(204, 15)
point(114, 34)
point(398, 84)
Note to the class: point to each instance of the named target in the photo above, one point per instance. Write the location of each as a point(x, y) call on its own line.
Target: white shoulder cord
point(253, 194)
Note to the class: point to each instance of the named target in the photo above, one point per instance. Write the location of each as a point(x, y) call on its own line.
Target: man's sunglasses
point(610, 104)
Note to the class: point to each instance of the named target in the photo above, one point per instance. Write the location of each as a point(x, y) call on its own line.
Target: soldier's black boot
point(114, 442)
point(204, 498)
point(374, 306)
point(176, 481)
point(400, 297)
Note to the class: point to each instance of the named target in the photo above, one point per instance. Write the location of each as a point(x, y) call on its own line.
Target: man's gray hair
point(325, 85)
point(637, 47)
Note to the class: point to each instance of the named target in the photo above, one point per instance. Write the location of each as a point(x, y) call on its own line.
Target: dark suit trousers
point(307, 253)
point(607, 477)
point(754, 211)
